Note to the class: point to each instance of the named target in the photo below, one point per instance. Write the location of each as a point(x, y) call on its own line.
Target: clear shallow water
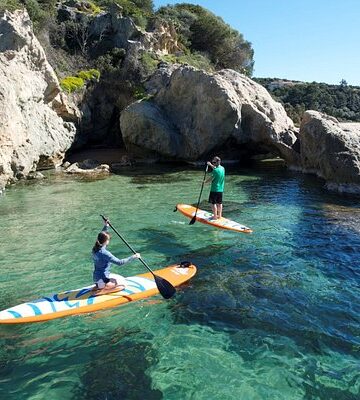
point(272, 315)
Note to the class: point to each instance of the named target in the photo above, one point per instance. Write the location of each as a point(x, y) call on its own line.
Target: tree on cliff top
point(201, 30)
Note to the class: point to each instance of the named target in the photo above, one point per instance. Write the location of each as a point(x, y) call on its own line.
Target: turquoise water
point(272, 315)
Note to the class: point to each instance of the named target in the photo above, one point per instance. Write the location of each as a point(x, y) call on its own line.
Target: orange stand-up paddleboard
point(84, 300)
point(206, 218)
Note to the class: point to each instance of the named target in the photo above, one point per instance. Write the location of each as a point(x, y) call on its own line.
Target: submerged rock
point(88, 167)
point(32, 133)
point(193, 112)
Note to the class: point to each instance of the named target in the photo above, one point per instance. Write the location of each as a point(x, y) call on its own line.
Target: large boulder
point(331, 150)
point(32, 133)
point(192, 113)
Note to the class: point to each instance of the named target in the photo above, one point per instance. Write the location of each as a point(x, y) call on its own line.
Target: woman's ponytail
point(101, 240)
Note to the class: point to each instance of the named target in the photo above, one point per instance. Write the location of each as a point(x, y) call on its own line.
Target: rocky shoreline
point(186, 115)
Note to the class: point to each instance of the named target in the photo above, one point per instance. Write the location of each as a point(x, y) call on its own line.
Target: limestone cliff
point(32, 134)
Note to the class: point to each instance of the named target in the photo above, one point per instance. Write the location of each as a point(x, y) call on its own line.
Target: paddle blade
point(193, 220)
point(166, 289)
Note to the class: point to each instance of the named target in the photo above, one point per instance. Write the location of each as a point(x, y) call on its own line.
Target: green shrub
point(138, 10)
point(149, 62)
point(110, 61)
point(140, 93)
point(197, 60)
point(90, 75)
point(94, 8)
point(10, 5)
point(202, 31)
point(72, 83)
point(341, 101)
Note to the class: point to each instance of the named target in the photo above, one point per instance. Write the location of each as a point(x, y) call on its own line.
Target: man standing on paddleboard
point(217, 186)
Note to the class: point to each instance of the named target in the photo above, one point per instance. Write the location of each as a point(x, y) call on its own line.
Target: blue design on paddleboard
point(136, 285)
point(36, 309)
point(128, 291)
point(83, 291)
point(14, 313)
point(51, 301)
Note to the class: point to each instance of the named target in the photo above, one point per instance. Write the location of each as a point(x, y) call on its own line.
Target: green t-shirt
point(218, 181)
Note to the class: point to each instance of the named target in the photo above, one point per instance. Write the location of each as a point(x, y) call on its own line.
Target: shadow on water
point(166, 242)
point(113, 364)
point(155, 174)
point(161, 241)
point(110, 373)
point(262, 302)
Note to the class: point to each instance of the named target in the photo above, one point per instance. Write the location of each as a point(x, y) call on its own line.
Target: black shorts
point(215, 197)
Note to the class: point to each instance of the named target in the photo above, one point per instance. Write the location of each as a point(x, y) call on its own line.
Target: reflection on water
point(271, 315)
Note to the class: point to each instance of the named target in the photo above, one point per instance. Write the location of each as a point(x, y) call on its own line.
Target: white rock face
point(331, 150)
point(32, 134)
point(193, 112)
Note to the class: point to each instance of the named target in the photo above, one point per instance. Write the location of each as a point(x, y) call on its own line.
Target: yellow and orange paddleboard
point(84, 300)
point(207, 218)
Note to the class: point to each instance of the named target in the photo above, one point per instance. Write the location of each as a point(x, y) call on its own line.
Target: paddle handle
point(127, 244)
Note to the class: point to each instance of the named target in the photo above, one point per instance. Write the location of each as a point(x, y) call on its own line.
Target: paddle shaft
point(201, 190)
point(127, 244)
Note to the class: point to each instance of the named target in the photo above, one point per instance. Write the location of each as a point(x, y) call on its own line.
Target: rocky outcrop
point(32, 134)
point(87, 167)
point(331, 150)
point(106, 30)
point(163, 39)
point(193, 112)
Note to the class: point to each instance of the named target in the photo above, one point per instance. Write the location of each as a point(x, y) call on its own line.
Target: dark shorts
point(215, 197)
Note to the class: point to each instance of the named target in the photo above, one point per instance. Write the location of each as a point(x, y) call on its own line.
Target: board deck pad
point(206, 218)
point(84, 300)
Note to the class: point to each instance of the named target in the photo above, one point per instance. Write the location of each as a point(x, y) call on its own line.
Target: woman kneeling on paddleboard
point(102, 263)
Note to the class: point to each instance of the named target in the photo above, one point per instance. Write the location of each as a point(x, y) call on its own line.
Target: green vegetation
point(91, 8)
point(74, 83)
point(150, 61)
point(10, 5)
point(341, 101)
point(139, 10)
point(140, 93)
point(91, 74)
point(111, 61)
point(202, 31)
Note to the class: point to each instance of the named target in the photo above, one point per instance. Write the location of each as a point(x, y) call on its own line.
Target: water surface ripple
point(272, 315)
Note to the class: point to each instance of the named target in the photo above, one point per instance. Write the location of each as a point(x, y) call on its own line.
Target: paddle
point(166, 289)
point(197, 207)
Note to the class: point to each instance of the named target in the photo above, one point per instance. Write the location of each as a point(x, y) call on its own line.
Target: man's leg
point(219, 210)
point(214, 210)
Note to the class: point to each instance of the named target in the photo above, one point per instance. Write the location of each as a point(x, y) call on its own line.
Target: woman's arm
point(121, 261)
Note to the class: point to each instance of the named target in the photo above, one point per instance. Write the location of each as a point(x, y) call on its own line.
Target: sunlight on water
point(271, 315)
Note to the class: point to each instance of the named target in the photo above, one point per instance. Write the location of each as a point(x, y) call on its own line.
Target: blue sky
point(306, 40)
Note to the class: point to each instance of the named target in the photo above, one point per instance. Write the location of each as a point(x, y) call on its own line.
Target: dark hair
point(101, 239)
point(217, 159)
